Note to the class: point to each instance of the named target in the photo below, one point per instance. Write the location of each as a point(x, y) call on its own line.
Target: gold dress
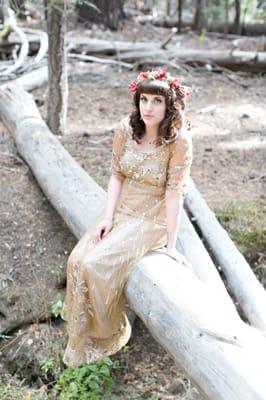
point(94, 306)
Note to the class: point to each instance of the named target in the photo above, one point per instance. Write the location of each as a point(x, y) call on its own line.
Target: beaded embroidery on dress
point(94, 306)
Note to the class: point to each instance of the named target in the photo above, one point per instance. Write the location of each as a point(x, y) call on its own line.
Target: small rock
point(252, 174)
point(176, 387)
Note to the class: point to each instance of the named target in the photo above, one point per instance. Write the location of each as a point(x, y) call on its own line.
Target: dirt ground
point(228, 120)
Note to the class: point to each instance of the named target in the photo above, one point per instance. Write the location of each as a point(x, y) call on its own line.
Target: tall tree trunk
point(168, 8)
point(226, 25)
point(58, 85)
point(180, 7)
point(237, 17)
point(199, 19)
point(105, 12)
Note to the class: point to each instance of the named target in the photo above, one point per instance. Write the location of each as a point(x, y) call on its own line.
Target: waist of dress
point(144, 188)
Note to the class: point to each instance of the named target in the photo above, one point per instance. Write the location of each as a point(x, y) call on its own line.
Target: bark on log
point(235, 60)
point(133, 52)
point(223, 356)
point(240, 277)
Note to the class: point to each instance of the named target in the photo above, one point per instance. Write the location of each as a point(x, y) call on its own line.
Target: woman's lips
point(148, 116)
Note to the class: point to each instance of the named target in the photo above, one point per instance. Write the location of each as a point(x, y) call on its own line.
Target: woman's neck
point(151, 132)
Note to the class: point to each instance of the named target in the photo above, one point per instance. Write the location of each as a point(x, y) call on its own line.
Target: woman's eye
point(143, 98)
point(158, 100)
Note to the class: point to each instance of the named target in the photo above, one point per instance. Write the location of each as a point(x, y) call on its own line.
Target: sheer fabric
point(94, 306)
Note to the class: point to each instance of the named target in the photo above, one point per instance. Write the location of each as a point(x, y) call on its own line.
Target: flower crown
point(163, 76)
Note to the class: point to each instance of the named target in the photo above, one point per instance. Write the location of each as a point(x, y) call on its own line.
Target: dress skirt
point(94, 306)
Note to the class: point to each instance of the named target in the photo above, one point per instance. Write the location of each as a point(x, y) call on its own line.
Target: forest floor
point(228, 166)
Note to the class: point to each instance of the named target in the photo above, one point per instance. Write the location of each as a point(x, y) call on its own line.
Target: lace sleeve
point(180, 160)
point(117, 149)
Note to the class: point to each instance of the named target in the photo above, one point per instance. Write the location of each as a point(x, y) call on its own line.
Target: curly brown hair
point(173, 121)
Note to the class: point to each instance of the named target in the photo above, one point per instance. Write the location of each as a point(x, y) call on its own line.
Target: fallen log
point(247, 29)
point(223, 356)
point(134, 52)
point(240, 278)
point(234, 60)
point(131, 52)
point(10, 19)
point(34, 140)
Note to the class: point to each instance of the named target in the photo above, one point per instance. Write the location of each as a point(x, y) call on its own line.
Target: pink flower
point(144, 75)
point(176, 84)
point(134, 86)
point(161, 75)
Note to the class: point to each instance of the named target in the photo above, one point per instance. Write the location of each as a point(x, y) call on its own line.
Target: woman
point(151, 160)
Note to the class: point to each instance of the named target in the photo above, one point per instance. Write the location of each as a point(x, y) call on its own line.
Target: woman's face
point(152, 108)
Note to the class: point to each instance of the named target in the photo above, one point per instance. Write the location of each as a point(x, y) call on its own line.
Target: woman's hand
point(173, 253)
point(101, 230)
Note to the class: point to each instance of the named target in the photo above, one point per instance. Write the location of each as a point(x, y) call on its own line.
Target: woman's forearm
point(114, 189)
point(174, 204)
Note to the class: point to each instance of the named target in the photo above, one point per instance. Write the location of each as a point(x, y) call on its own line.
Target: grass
point(245, 223)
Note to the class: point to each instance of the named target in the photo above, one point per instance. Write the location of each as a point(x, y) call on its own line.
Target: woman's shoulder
point(125, 125)
point(122, 130)
point(183, 140)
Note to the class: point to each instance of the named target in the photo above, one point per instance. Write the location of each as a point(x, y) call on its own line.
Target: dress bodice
point(166, 166)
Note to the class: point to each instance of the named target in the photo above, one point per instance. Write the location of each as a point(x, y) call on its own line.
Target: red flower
point(144, 75)
point(134, 86)
point(161, 74)
point(176, 84)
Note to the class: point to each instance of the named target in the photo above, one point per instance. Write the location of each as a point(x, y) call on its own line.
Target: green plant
point(47, 365)
point(87, 382)
point(57, 270)
point(5, 281)
point(56, 308)
point(245, 222)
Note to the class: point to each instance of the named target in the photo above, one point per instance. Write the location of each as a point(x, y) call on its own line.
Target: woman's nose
point(148, 105)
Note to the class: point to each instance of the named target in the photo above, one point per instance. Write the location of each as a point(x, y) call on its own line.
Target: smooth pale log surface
point(39, 77)
point(224, 357)
point(240, 277)
point(191, 246)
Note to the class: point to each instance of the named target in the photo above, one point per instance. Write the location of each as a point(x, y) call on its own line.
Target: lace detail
point(180, 160)
point(166, 166)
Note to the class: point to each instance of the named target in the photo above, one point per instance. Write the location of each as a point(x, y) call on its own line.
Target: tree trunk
point(237, 24)
point(57, 60)
point(226, 24)
point(199, 19)
point(179, 25)
point(105, 12)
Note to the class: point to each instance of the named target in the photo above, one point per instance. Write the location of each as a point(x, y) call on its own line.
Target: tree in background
point(199, 18)
point(57, 61)
point(237, 24)
point(109, 13)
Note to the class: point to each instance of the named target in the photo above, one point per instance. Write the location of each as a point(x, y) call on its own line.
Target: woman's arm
point(114, 189)
point(176, 187)
point(174, 204)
